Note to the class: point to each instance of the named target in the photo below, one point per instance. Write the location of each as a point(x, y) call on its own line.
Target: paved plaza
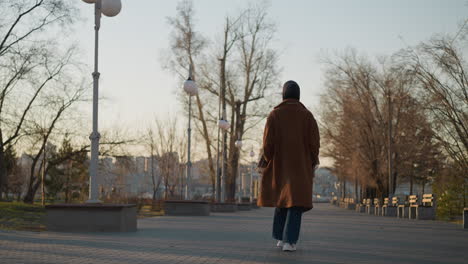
point(329, 235)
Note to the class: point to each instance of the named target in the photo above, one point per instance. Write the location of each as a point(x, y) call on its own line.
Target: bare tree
point(58, 105)
point(440, 67)
point(151, 145)
point(241, 68)
point(362, 101)
point(186, 47)
point(170, 147)
point(256, 78)
point(30, 62)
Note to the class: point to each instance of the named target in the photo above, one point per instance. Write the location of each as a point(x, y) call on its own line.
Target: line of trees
point(414, 102)
point(42, 85)
point(36, 88)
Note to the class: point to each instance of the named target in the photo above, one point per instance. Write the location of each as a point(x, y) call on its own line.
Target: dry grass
point(147, 212)
point(31, 217)
point(21, 216)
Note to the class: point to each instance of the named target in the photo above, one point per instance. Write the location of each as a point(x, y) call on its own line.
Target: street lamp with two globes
point(190, 87)
point(109, 8)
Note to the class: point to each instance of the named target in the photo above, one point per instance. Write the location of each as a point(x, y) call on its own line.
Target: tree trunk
point(67, 190)
point(395, 174)
point(225, 166)
point(356, 189)
point(29, 197)
point(344, 188)
point(207, 138)
point(3, 173)
point(411, 184)
point(234, 152)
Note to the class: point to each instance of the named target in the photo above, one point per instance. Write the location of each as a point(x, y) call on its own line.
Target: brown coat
point(291, 143)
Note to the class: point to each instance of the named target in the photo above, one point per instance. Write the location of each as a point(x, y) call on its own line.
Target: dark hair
point(291, 90)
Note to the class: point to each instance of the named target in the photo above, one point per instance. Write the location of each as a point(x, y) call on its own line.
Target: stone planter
point(390, 211)
point(186, 208)
point(244, 206)
point(91, 217)
point(360, 208)
point(223, 207)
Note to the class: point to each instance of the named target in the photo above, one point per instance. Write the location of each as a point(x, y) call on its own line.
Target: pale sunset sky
point(132, 44)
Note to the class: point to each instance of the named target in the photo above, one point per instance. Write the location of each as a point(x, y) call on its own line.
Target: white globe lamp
point(252, 153)
point(238, 143)
point(223, 124)
point(190, 87)
point(110, 8)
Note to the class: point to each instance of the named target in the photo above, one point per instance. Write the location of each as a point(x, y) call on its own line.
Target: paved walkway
point(329, 235)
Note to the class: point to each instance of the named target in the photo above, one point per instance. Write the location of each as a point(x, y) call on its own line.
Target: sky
point(137, 87)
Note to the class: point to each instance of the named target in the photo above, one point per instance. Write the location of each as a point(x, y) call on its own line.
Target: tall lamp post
point(390, 147)
point(252, 154)
point(109, 8)
point(238, 144)
point(224, 125)
point(190, 87)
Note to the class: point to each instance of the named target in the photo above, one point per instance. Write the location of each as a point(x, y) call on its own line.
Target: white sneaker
point(289, 247)
point(280, 243)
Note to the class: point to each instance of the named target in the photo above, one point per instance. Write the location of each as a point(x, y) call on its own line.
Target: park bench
point(334, 200)
point(390, 209)
point(413, 204)
point(402, 209)
point(361, 207)
point(377, 206)
point(341, 202)
point(369, 206)
point(424, 210)
point(349, 203)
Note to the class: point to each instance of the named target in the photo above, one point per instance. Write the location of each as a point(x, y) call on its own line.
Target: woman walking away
point(291, 145)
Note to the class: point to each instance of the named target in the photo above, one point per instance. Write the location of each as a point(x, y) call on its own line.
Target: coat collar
point(289, 102)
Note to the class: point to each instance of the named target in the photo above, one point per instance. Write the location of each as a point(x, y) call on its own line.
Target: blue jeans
point(287, 224)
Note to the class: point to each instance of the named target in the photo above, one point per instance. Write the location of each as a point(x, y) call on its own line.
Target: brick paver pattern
point(329, 235)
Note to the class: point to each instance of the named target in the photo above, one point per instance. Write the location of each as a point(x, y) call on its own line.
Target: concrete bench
point(465, 218)
point(223, 207)
point(244, 206)
point(91, 217)
point(425, 210)
point(186, 208)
